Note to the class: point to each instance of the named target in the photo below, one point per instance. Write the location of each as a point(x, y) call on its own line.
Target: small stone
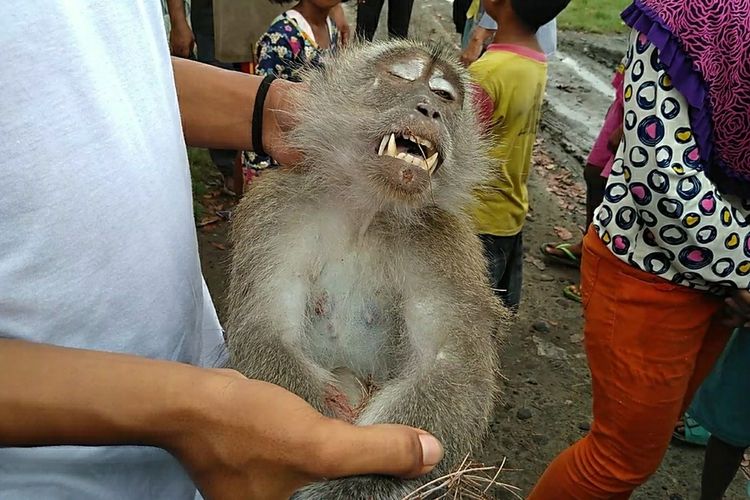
point(576, 338)
point(540, 326)
point(584, 426)
point(531, 381)
point(547, 349)
point(546, 277)
point(523, 414)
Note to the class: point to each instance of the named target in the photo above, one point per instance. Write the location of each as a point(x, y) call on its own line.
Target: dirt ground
point(545, 404)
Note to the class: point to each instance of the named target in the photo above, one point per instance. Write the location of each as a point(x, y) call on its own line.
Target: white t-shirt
point(97, 240)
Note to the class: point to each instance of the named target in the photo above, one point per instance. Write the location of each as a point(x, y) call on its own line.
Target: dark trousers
point(595, 186)
point(399, 15)
point(201, 18)
point(505, 266)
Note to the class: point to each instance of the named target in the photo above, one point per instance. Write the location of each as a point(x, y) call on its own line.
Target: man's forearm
point(216, 107)
point(176, 11)
point(479, 35)
point(57, 396)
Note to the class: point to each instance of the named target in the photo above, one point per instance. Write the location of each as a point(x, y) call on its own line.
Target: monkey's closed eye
point(443, 94)
point(406, 71)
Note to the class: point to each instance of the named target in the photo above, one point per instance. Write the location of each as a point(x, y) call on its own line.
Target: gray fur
point(400, 279)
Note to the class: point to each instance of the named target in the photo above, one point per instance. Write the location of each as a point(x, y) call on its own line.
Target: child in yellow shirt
point(511, 76)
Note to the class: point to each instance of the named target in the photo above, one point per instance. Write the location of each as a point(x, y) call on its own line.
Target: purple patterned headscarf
point(705, 46)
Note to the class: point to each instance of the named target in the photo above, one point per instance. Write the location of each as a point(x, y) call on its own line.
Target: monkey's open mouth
point(411, 149)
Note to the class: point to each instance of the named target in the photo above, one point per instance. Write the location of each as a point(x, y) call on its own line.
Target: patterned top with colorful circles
point(289, 45)
point(661, 213)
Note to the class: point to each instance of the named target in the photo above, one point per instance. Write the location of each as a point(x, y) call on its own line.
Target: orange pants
point(649, 345)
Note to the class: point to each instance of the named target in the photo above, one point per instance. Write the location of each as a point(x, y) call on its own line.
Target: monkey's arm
point(449, 383)
point(268, 292)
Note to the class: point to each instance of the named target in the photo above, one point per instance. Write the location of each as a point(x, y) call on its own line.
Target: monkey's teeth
point(383, 144)
point(420, 141)
point(392, 146)
point(431, 162)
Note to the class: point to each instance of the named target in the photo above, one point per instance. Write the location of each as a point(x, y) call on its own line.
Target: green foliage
point(594, 16)
point(202, 173)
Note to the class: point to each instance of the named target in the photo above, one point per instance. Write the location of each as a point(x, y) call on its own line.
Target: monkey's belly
point(354, 337)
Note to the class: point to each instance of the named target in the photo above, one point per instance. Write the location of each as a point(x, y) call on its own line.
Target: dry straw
point(470, 481)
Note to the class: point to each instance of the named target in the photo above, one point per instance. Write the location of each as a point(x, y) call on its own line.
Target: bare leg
point(719, 468)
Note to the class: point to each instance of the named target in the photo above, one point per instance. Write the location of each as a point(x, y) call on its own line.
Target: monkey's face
point(390, 125)
point(416, 99)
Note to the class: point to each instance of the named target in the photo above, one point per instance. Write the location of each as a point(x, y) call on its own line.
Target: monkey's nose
point(428, 110)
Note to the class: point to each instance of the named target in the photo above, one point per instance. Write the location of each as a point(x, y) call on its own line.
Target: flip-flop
point(573, 292)
point(568, 258)
point(693, 433)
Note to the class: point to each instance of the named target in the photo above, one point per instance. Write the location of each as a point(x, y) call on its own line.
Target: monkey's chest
point(350, 316)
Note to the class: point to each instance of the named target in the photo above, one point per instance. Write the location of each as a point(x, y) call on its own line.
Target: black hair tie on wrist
point(260, 102)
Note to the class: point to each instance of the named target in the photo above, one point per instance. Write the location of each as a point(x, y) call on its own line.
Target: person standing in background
point(669, 245)
point(368, 15)
point(510, 78)
point(483, 27)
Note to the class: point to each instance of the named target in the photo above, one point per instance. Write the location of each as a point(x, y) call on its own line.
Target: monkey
point(357, 281)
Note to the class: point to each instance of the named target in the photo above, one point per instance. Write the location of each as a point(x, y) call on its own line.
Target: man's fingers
point(393, 450)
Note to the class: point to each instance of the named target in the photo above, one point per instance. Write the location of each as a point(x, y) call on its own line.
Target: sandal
point(567, 258)
point(573, 292)
point(689, 431)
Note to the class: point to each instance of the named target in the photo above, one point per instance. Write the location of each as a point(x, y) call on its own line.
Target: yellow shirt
point(513, 78)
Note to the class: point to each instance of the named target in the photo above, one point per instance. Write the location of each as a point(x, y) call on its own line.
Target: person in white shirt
point(107, 333)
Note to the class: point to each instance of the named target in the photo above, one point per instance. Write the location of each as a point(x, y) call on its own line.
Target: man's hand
point(255, 440)
point(181, 40)
point(238, 438)
point(279, 115)
point(737, 309)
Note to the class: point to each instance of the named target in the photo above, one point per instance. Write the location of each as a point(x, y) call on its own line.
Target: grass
point(594, 16)
point(202, 172)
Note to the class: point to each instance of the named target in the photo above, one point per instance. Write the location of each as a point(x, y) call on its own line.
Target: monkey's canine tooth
point(383, 144)
point(432, 161)
point(392, 145)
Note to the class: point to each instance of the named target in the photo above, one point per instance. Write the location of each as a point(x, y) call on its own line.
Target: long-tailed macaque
point(357, 281)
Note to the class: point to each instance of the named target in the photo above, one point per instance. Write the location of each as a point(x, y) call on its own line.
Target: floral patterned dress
point(287, 47)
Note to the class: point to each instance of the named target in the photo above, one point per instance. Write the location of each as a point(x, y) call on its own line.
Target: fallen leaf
point(207, 221)
point(563, 234)
point(218, 245)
